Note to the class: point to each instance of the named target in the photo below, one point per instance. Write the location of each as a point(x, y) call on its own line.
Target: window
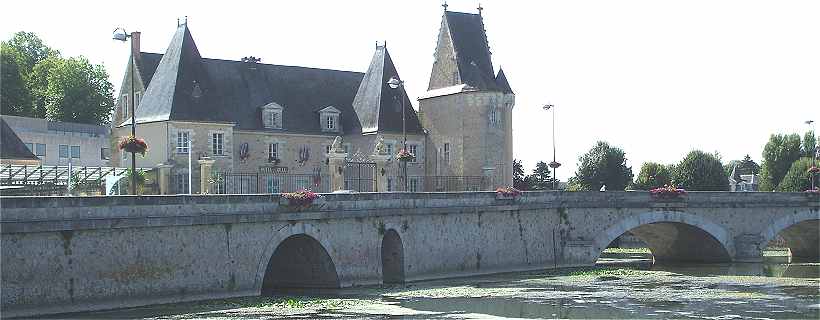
point(272, 116)
point(217, 141)
point(75, 152)
point(124, 104)
point(331, 124)
point(183, 141)
point(137, 98)
point(329, 119)
point(63, 151)
point(40, 149)
point(446, 153)
point(495, 117)
point(390, 149)
point(30, 147)
point(105, 154)
point(412, 148)
point(273, 151)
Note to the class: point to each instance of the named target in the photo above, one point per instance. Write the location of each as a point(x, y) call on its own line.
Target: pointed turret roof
point(501, 81)
point(472, 49)
point(378, 106)
point(180, 88)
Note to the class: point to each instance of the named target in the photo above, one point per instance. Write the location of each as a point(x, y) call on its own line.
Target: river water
point(623, 289)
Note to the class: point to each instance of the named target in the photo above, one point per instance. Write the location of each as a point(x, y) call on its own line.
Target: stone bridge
point(62, 254)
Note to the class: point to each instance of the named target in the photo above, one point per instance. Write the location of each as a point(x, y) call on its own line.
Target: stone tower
point(468, 107)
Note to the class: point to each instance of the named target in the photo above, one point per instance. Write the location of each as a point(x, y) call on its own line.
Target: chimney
point(135, 44)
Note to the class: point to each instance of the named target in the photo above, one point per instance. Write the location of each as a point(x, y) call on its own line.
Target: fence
point(437, 183)
point(256, 183)
point(43, 180)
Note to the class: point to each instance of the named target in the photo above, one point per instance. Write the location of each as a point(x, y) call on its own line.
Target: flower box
point(133, 144)
point(667, 193)
point(301, 199)
point(507, 193)
point(814, 170)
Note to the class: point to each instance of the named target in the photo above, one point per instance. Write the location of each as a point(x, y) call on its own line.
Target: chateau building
point(250, 117)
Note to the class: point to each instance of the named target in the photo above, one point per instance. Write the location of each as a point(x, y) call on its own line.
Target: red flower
point(133, 144)
point(404, 155)
point(508, 191)
point(814, 169)
point(667, 192)
point(300, 198)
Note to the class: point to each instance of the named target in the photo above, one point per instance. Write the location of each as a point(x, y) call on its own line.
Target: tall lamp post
point(816, 155)
point(395, 84)
point(121, 35)
point(554, 164)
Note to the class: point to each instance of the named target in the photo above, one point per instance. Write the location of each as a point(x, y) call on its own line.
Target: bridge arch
point(296, 259)
point(801, 232)
point(392, 257)
point(670, 234)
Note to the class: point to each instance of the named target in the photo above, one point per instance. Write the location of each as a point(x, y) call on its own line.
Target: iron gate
point(360, 176)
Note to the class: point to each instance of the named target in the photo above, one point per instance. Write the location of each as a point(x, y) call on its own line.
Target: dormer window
point(272, 116)
point(329, 119)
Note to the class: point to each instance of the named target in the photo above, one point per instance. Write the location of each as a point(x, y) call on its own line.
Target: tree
point(778, 155)
point(602, 165)
point(15, 97)
point(78, 91)
point(701, 171)
point(540, 179)
point(809, 144)
point(797, 179)
point(653, 175)
point(519, 180)
point(38, 82)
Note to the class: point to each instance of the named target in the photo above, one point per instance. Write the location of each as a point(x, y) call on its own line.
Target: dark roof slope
point(472, 49)
point(377, 105)
point(501, 81)
point(235, 91)
point(11, 147)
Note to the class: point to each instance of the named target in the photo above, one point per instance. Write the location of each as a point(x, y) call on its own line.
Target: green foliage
point(798, 178)
point(778, 155)
point(519, 177)
point(701, 171)
point(540, 179)
point(809, 144)
point(745, 166)
point(15, 97)
point(653, 175)
point(602, 165)
point(38, 82)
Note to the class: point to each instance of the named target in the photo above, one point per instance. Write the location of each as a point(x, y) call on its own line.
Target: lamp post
point(395, 84)
point(554, 164)
point(121, 35)
point(816, 153)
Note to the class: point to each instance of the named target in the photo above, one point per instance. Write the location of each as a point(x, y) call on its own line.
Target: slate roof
point(469, 40)
point(377, 105)
point(11, 147)
point(501, 80)
point(234, 91)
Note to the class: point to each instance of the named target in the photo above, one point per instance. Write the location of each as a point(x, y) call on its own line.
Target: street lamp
point(816, 153)
point(395, 84)
point(554, 164)
point(121, 35)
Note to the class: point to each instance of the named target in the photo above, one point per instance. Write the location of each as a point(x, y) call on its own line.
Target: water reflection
point(800, 270)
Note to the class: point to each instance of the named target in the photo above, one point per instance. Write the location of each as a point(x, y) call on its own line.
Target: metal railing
point(257, 183)
point(437, 183)
point(57, 175)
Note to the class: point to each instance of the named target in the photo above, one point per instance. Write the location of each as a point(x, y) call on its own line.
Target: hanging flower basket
point(813, 191)
point(133, 144)
point(300, 199)
point(667, 192)
point(814, 170)
point(404, 155)
point(507, 192)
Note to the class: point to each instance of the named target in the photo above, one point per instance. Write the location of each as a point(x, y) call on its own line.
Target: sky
point(655, 78)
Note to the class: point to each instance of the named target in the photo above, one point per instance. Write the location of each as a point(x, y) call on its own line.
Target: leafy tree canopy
point(541, 178)
point(809, 144)
point(653, 175)
point(745, 166)
point(602, 165)
point(37, 82)
point(778, 155)
point(797, 179)
point(518, 176)
point(701, 171)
